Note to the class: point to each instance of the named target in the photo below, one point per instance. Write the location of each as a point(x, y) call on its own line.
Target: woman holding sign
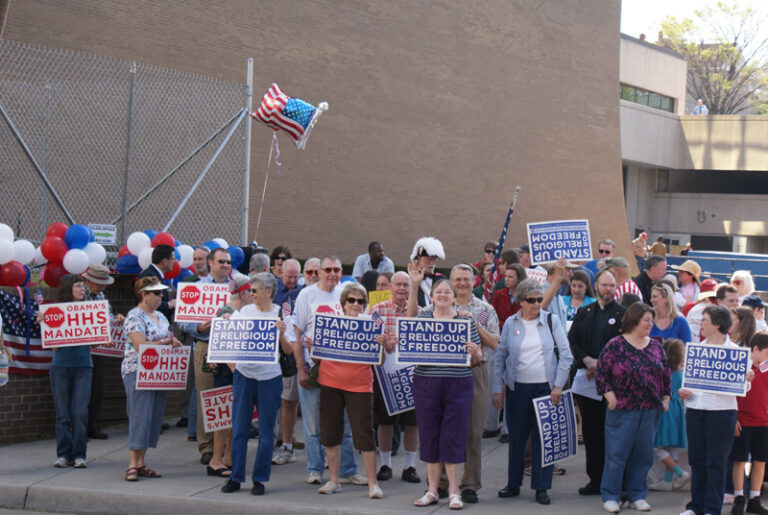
point(144, 324)
point(533, 360)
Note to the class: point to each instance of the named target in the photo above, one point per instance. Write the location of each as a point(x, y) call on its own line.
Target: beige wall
point(437, 109)
point(727, 142)
point(652, 137)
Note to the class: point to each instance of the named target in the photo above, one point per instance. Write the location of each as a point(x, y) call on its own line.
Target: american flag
point(482, 318)
point(281, 112)
point(764, 366)
point(15, 334)
point(378, 319)
point(286, 309)
point(38, 297)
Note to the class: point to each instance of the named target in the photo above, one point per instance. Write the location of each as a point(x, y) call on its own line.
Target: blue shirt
point(76, 356)
point(677, 329)
point(363, 264)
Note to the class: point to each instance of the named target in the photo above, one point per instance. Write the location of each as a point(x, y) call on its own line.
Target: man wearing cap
point(97, 278)
point(162, 262)
point(705, 298)
point(690, 284)
point(756, 303)
point(373, 260)
point(424, 256)
point(655, 268)
point(620, 269)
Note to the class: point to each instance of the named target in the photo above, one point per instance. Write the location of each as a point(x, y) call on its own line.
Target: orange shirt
point(352, 377)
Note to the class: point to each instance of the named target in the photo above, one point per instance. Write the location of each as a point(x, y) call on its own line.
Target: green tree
point(729, 69)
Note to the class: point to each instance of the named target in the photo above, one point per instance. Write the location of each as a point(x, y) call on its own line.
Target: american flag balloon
point(291, 115)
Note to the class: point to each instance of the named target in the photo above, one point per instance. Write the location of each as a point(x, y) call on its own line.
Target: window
point(646, 98)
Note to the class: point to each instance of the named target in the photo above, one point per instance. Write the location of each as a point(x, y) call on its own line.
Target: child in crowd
point(670, 434)
point(752, 433)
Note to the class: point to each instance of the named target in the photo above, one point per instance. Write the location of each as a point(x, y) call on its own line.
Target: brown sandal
point(132, 474)
point(147, 472)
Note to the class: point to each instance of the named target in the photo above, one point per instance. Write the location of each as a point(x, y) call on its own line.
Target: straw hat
point(690, 266)
point(98, 274)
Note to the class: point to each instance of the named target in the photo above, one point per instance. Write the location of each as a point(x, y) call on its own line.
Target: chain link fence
point(96, 125)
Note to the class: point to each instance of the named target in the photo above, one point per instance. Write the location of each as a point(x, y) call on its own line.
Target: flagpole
point(503, 237)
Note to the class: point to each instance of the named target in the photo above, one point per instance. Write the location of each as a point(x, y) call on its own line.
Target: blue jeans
point(521, 422)
point(192, 413)
point(266, 396)
point(310, 419)
point(71, 389)
point(710, 437)
point(628, 451)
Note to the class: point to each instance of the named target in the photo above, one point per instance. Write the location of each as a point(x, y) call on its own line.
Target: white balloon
point(186, 252)
point(222, 242)
point(39, 258)
point(75, 261)
point(6, 233)
point(96, 253)
point(137, 242)
point(6, 250)
point(145, 258)
point(23, 251)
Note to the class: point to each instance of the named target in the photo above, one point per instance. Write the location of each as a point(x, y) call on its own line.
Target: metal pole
point(32, 160)
point(127, 150)
point(46, 155)
point(184, 201)
point(177, 168)
point(247, 156)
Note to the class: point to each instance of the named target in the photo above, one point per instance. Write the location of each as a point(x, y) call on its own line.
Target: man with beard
point(425, 252)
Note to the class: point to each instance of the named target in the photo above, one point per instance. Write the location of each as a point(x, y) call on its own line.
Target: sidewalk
point(29, 481)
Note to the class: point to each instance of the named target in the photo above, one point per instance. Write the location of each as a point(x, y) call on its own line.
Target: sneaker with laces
point(680, 482)
point(315, 478)
point(611, 507)
point(754, 506)
point(61, 463)
point(329, 488)
point(356, 479)
point(688, 512)
point(80, 463)
point(640, 505)
point(283, 456)
point(375, 492)
point(662, 486)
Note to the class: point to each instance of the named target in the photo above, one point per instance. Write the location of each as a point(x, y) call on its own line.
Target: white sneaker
point(80, 463)
point(661, 486)
point(680, 482)
point(61, 463)
point(357, 479)
point(329, 488)
point(688, 512)
point(640, 505)
point(727, 499)
point(375, 492)
point(283, 456)
point(315, 478)
point(611, 507)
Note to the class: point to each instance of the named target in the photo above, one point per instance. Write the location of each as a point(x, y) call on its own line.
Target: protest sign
point(116, 336)
point(556, 239)
point(396, 388)
point(378, 296)
point(716, 368)
point(538, 273)
point(104, 234)
point(74, 323)
point(217, 408)
point(162, 367)
point(428, 341)
point(348, 339)
point(557, 427)
point(243, 340)
point(199, 302)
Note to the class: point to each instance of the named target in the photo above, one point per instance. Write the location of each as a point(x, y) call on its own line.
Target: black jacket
point(580, 335)
point(644, 283)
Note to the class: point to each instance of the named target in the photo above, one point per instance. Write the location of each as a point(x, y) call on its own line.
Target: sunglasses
point(603, 251)
point(254, 291)
point(280, 258)
point(334, 269)
point(534, 300)
point(311, 272)
point(223, 262)
point(156, 292)
point(490, 251)
point(352, 300)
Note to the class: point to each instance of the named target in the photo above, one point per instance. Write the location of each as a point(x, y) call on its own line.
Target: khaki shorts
point(290, 388)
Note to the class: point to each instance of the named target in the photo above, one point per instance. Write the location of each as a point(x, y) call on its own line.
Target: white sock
point(288, 446)
point(738, 492)
point(386, 458)
point(754, 493)
point(410, 459)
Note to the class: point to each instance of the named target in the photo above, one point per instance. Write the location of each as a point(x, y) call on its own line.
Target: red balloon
point(53, 249)
point(174, 271)
point(123, 251)
point(12, 274)
point(53, 274)
point(58, 229)
point(191, 268)
point(163, 238)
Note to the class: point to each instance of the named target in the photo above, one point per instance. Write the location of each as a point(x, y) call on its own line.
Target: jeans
point(145, 410)
point(710, 437)
point(266, 396)
point(310, 419)
point(71, 389)
point(628, 451)
point(521, 421)
point(192, 413)
point(97, 391)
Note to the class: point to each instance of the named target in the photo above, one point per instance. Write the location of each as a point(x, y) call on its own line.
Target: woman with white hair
point(668, 322)
point(743, 282)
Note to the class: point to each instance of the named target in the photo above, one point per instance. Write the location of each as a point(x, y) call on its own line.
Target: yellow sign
point(375, 297)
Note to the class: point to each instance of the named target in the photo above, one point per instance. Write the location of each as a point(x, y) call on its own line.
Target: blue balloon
point(150, 233)
point(347, 278)
point(210, 245)
point(77, 236)
point(177, 254)
point(91, 235)
point(237, 255)
point(128, 264)
point(176, 242)
point(183, 274)
point(26, 279)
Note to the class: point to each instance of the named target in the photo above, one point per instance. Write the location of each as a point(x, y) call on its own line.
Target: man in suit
point(162, 262)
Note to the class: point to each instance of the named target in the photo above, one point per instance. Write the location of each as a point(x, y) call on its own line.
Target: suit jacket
point(644, 283)
point(582, 330)
point(164, 308)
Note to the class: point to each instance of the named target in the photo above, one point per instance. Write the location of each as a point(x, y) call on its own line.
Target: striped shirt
point(445, 371)
point(627, 287)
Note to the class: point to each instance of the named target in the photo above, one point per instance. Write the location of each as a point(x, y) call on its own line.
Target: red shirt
point(503, 305)
point(753, 408)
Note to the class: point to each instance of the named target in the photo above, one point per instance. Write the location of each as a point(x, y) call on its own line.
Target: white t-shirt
point(311, 300)
point(261, 371)
point(530, 359)
point(713, 401)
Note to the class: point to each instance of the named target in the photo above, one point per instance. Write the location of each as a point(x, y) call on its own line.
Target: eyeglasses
point(155, 292)
point(603, 251)
point(223, 262)
point(280, 258)
point(352, 300)
point(254, 291)
point(534, 300)
point(311, 272)
point(490, 251)
point(334, 269)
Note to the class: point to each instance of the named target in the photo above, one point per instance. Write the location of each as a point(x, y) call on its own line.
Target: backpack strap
point(549, 323)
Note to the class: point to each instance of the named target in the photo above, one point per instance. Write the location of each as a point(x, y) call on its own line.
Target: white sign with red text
point(75, 323)
point(199, 302)
point(217, 408)
point(162, 367)
point(118, 337)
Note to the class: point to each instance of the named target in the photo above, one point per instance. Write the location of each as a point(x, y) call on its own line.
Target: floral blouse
point(137, 321)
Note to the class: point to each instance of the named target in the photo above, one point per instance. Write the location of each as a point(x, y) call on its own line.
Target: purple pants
point(442, 413)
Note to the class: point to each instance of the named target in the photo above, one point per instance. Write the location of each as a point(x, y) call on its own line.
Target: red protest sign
point(199, 302)
point(217, 408)
point(118, 337)
point(74, 323)
point(162, 367)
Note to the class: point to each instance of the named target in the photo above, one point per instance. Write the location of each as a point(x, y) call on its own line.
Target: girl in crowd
point(669, 323)
point(578, 294)
point(503, 300)
point(743, 327)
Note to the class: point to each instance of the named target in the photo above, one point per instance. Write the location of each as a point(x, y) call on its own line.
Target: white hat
point(429, 246)
point(154, 287)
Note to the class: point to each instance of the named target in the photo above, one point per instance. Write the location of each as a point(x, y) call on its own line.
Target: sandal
point(455, 502)
point(148, 472)
point(222, 472)
point(132, 474)
point(426, 500)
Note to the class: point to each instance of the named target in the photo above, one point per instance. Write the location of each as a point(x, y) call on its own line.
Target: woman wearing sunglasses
point(533, 360)
point(144, 324)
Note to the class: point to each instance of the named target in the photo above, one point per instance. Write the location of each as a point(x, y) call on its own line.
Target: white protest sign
point(716, 368)
point(74, 323)
point(118, 337)
point(104, 234)
point(162, 367)
point(217, 408)
point(537, 273)
point(199, 302)
point(555, 239)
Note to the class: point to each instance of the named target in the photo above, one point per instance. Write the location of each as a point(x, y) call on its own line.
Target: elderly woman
point(443, 397)
point(744, 284)
point(257, 384)
point(533, 360)
point(669, 323)
point(350, 386)
point(70, 377)
point(633, 377)
point(503, 300)
point(143, 325)
point(710, 421)
point(578, 294)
